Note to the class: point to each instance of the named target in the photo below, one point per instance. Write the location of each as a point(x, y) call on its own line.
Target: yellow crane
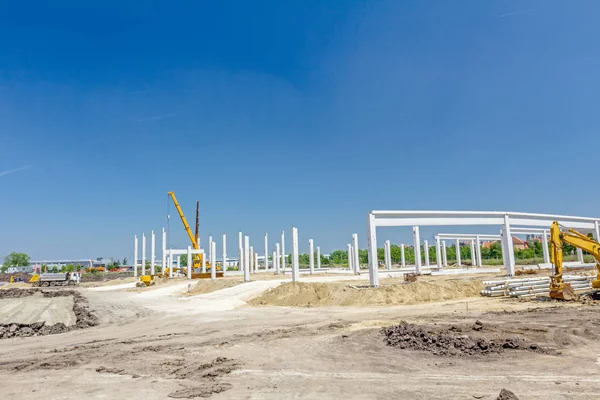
point(197, 257)
point(559, 289)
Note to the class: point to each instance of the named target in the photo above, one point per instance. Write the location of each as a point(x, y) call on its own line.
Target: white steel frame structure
point(505, 219)
point(475, 243)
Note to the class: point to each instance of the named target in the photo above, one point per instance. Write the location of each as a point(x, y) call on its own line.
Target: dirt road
point(159, 346)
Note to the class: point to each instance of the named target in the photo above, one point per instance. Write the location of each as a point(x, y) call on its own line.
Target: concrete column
point(387, 255)
point(164, 251)
point(213, 261)
point(170, 262)
point(580, 255)
point(545, 247)
point(246, 259)
point(256, 262)
point(251, 259)
point(478, 249)
point(350, 258)
point(597, 230)
point(210, 254)
point(274, 258)
point(190, 261)
point(510, 257)
point(372, 246)
point(318, 257)
point(311, 256)
point(458, 260)
point(143, 254)
point(473, 254)
point(224, 263)
point(417, 240)
point(426, 246)
point(178, 262)
point(444, 253)
point(240, 250)
point(135, 256)
point(295, 256)
point(402, 256)
point(241, 259)
point(277, 260)
point(283, 251)
point(152, 253)
point(438, 251)
point(266, 251)
point(356, 259)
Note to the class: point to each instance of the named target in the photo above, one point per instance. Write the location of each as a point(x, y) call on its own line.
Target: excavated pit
point(456, 340)
point(83, 316)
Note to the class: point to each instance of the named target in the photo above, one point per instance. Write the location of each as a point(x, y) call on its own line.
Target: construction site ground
point(158, 344)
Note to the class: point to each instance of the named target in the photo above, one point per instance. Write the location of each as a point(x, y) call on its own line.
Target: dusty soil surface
point(104, 277)
point(36, 308)
point(146, 348)
point(209, 286)
point(110, 282)
point(301, 294)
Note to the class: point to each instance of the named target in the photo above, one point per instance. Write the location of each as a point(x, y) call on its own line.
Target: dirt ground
point(149, 347)
point(35, 308)
point(208, 286)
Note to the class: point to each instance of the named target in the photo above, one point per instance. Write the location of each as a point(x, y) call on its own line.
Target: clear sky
point(274, 113)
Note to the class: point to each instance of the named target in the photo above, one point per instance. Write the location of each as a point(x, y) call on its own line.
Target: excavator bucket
point(565, 293)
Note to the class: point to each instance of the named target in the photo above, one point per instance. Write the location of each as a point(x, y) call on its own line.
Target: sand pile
point(208, 286)
point(345, 294)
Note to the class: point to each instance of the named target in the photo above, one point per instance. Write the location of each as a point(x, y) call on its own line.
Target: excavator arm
point(558, 288)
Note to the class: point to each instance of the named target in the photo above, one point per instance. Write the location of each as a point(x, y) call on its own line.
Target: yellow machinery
point(146, 280)
point(193, 238)
point(34, 278)
point(559, 289)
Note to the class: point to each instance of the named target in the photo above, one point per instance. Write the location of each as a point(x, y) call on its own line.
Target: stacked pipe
point(530, 287)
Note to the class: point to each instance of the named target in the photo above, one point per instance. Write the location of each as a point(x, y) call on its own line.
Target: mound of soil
point(22, 275)
point(451, 341)
point(208, 286)
point(103, 277)
point(301, 294)
point(84, 317)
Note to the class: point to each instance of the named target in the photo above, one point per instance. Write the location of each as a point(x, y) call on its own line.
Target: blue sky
point(277, 113)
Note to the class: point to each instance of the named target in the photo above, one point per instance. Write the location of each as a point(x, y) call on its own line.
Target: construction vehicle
point(197, 262)
point(559, 289)
point(58, 279)
point(146, 280)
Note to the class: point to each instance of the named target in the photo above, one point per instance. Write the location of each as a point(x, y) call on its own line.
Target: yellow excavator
point(559, 289)
point(197, 262)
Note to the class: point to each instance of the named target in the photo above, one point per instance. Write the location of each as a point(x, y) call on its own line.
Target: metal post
point(417, 240)
point(213, 261)
point(402, 256)
point(266, 251)
point(276, 260)
point(143, 254)
point(295, 257)
point(311, 256)
point(152, 253)
point(246, 259)
point(190, 261)
point(224, 262)
point(135, 256)
point(283, 251)
point(473, 255)
point(458, 260)
point(438, 250)
point(545, 246)
point(372, 246)
point(444, 253)
point(318, 257)
point(426, 251)
point(355, 254)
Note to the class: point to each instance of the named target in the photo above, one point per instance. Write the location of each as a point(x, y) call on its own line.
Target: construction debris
point(506, 395)
point(410, 277)
point(530, 287)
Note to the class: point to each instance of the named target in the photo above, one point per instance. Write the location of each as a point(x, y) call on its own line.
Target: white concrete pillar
point(241, 259)
point(135, 256)
point(597, 230)
point(283, 251)
point(190, 261)
point(266, 251)
point(438, 251)
point(178, 262)
point(510, 257)
point(318, 257)
point(152, 253)
point(170, 262)
point(224, 263)
point(444, 253)
point(580, 255)
point(356, 259)
point(311, 256)
point(274, 258)
point(164, 251)
point(458, 260)
point(251, 259)
point(143, 254)
point(256, 262)
point(277, 260)
point(478, 250)
point(372, 246)
point(295, 256)
point(210, 255)
point(417, 241)
point(213, 262)
point(426, 248)
point(473, 255)
point(402, 256)
point(387, 255)
point(246, 259)
point(240, 250)
point(545, 247)
point(350, 258)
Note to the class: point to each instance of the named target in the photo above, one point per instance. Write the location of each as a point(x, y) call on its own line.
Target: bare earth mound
point(208, 286)
point(344, 294)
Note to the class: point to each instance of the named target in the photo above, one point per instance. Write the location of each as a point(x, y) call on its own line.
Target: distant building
point(13, 270)
point(517, 243)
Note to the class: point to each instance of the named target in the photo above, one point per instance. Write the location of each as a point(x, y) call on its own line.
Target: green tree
point(55, 269)
point(183, 260)
point(124, 261)
point(16, 260)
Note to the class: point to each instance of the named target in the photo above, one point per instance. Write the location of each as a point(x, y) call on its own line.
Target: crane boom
point(558, 288)
point(185, 224)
